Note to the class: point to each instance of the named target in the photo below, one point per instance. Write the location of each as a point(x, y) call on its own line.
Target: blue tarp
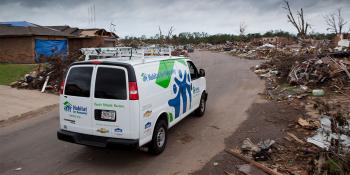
point(17, 23)
point(48, 48)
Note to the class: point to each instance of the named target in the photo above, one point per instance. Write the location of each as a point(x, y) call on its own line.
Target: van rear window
point(110, 83)
point(79, 81)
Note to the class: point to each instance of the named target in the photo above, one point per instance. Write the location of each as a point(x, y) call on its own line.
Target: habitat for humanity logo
point(160, 76)
point(74, 108)
point(181, 88)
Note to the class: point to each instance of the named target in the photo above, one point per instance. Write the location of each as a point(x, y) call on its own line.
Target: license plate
point(108, 115)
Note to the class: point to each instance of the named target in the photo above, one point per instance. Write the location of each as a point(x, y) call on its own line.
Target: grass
point(12, 72)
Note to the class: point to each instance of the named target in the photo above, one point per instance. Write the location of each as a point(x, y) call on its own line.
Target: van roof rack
point(125, 52)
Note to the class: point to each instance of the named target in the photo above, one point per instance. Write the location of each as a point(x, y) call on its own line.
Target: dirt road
point(32, 145)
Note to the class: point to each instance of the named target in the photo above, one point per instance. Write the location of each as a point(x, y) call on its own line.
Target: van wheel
point(159, 138)
point(202, 105)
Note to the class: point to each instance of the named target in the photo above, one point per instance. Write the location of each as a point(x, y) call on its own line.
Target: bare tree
point(165, 38)
point(160, 33)
point(170, 32)
point(335, 22)
point(300, 24)
point(112, 27)
point(242, 28)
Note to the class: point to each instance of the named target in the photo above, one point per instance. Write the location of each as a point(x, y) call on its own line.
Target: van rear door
point(110, 106)
point(75, 103)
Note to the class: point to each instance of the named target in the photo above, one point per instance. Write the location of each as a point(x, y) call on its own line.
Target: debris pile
point(318, 71)
point(46, 76)
point(320, 140)
point(288, 156)
point(310, 146)
point(300, 76)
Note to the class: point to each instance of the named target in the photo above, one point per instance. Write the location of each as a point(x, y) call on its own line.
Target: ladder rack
point(125, 52)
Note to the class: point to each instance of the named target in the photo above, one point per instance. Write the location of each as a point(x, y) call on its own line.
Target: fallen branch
point(252, 162)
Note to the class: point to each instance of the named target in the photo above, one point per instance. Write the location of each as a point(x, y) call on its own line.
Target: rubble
point(323, 82)
point(332, 131)
point(310, 124)
point(237, 154)
point(319, 71)
point(47, 76)
point(260, 151)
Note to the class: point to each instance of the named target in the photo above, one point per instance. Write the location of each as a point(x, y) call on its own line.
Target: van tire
point(202, 106)
point(159, 138)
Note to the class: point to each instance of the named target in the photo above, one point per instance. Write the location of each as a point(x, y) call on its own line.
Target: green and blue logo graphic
point(68, 107)
point(181, 88)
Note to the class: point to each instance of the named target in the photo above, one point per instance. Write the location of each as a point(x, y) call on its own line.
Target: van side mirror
point(201, 72)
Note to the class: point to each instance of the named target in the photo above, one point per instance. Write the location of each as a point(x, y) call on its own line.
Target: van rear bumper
point(91, 140)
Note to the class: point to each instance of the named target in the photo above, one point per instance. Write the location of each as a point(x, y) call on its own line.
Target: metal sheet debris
point(325, 134)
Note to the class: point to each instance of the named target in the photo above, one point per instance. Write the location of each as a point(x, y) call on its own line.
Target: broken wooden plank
point(295, 138)
point(228, 173)
point(342, 66)
point(45, 84)
point(252, 162)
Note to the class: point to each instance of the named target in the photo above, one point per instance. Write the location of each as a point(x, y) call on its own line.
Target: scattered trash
point(318, 92)
point(215, 164)
point(330, 134)
point(47, 76)
point(304, 88)
point(247, 169)
point(308, 124)
point(319, 80)
point(266, 144)
point(319, 71)
point(18, 169)
point(248, 145)
point(252, 162)
point(259, 152)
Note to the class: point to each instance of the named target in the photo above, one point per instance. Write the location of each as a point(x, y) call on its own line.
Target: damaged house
point(83, 38)
point(277, 40)
point(24, 42)
point(342, 41)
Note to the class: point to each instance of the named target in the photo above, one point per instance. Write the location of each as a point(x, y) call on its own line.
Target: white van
point(129, 101)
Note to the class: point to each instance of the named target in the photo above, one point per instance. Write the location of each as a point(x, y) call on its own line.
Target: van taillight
point(61, 87)
point(133, 91)
point(96, 62)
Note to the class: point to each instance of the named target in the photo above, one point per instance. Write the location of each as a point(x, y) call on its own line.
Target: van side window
point(110, 83)
point(193, 70)
point(79, 81)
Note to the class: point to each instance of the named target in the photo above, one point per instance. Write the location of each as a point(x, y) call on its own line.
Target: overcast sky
point(137, 17)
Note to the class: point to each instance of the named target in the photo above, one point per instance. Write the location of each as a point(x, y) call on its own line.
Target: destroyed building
point(25, 42)
point(342, 41)
point(277, 40)
point(85, 38)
